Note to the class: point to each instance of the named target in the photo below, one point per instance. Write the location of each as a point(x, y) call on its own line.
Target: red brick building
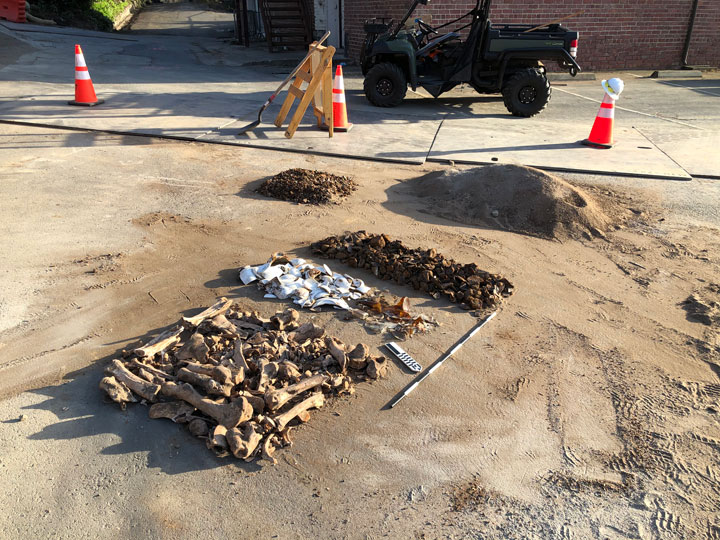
point(614, 34)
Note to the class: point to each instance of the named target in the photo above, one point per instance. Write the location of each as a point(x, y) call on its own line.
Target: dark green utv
point(493, 58)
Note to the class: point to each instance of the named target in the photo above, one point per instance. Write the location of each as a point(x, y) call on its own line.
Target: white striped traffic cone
point(340, 119)
point(84, 90)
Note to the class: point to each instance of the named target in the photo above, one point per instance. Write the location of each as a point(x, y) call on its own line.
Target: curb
point(677, 74)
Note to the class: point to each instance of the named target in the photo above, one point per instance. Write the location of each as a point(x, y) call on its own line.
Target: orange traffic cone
point(340, 119)
point(601, 134)
point(84, 91)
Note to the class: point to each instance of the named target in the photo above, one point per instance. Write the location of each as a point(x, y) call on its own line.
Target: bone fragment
point(226, 375)
point(228, 415)
point(337, 351)
point(217, 442)
point(203, 369)
point(198, 427)
point(177, 411)
point(135, 363)
point(149, 377)
point(285, 321)
point(268, 449)
point(195, 349)
point(165, 340)
point(268, 371)
point(207, 383)
point(142, 388)
point(244, 443)
point(306, 331)
point(289, 372)
point(220, 325)
point(275, 399)
point(239, 358)
point(117, 391)
point(357, 357)
point(377, 367)
point(314, 401)
point(219, 307)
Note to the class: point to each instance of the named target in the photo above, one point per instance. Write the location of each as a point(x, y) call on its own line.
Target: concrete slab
point(551, 146)
point(696, 151)
point(677, 74)
point(378, 136)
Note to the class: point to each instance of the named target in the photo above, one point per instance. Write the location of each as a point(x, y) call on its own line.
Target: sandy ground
point(589, 408)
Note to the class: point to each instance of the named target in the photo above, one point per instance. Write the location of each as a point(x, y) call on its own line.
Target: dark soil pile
point(308, 187)
point(424, 270)
point(704, 306)
point(512, 197)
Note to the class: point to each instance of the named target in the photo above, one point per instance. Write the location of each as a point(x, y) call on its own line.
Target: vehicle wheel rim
point(384, 87)
point(527, 95)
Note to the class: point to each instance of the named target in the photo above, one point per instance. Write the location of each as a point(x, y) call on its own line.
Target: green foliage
point(91, 14)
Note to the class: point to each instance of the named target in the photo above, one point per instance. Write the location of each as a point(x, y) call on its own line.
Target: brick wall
point(614, 34)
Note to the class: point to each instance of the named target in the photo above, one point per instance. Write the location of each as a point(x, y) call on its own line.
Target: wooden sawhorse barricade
point(316, 71)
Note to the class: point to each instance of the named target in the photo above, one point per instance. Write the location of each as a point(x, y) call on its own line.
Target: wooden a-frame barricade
point(316, 71)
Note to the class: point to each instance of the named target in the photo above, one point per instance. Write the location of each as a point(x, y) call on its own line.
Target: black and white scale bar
point(404, 357)
point(420, 378)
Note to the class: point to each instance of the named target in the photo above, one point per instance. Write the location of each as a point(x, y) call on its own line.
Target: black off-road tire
point(526, 93)
point(385, 85)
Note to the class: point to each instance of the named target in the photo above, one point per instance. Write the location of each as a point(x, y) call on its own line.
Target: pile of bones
point(238, 380)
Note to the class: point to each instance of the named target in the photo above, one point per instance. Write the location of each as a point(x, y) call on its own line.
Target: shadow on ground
point(82, 411)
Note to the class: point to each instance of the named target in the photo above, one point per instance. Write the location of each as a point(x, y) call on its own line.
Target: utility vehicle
point(492, 58)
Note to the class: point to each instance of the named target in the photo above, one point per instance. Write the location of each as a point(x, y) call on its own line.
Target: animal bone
point(117, 391)
point(257, 402)
point(288, 372)
point(219, 307)
point(155, 371)
point(195, 348)
point(177, 411)
point(306, 331)
point(286, 320)
point(268, 449)
point(357, 357)
point(337, 350)
point(243, 444)
point(203, 369)
point(268, 371)
point(314, 401)
point(160, 343)
point(226, 375)
point(377, 367)
point(238, 357)
point(207, 383)
point(275, 399)
point(217, 442)
point(220, 325)
point(198, 427)
point(228, 415)
point(142, 388)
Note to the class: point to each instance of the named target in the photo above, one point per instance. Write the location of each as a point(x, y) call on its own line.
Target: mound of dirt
point(308, 187)
point(516, 198)
point(704, 306)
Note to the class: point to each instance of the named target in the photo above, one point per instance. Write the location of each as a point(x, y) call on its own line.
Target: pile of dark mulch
point(308, 187)
point(424, 270)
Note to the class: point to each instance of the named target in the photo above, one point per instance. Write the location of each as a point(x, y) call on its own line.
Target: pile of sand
point(308, 187)
point(512, 197)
